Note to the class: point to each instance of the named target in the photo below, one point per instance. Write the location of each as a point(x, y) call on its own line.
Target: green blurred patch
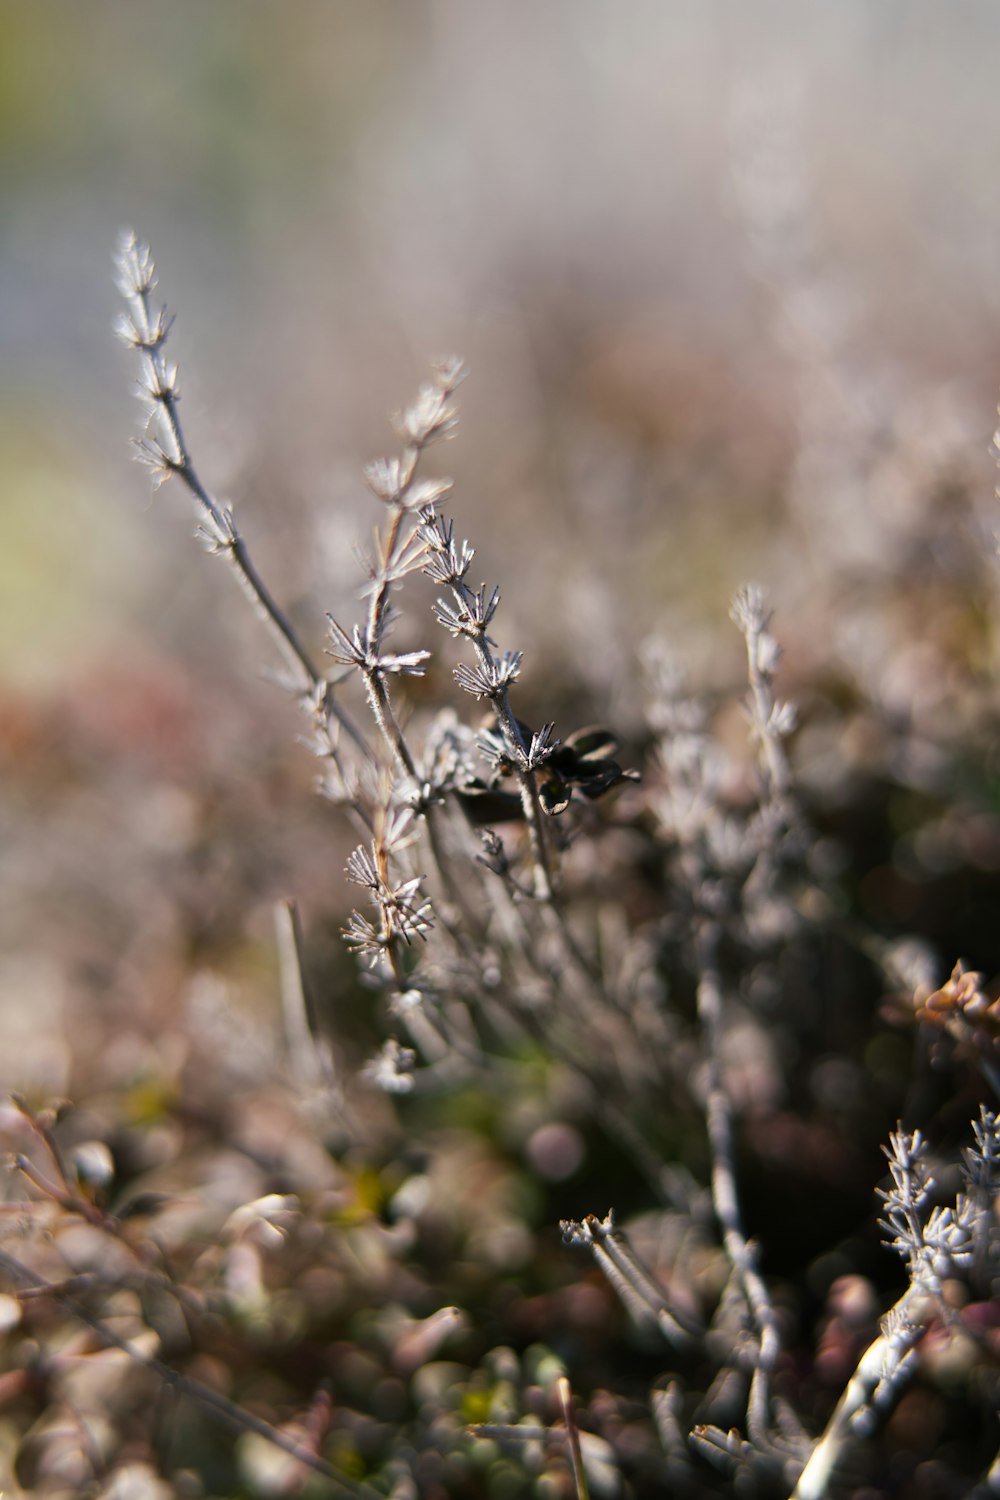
point(371, 1194)
point(476, 1406)
point(38, 80)
point(150, 1101)
point(57, 544)
point(345, 1456)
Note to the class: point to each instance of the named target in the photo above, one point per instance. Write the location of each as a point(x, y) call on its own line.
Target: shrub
point(662, 987)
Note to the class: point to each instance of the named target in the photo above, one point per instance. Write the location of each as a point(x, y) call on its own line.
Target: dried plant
point(526, 904)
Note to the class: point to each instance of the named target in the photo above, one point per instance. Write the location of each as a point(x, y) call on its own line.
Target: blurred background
point(726, 280)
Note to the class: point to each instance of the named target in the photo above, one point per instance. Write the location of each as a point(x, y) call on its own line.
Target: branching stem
point(147, 332)
point(885, 1363)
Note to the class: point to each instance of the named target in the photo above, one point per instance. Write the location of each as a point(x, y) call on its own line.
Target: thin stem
point(725, 1195)
point(573, 1437)
point(534, 817)
point(64, 1199)
point(544, 888)
point(628, 1277)
point(388, 724)
point(147, 333)
point(309, 1054)
point(25, 1280)
point(378, 692)
point(379, 606)
point(471, 620)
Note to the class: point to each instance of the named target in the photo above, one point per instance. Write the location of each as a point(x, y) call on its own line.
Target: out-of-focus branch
point(26, 1281)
